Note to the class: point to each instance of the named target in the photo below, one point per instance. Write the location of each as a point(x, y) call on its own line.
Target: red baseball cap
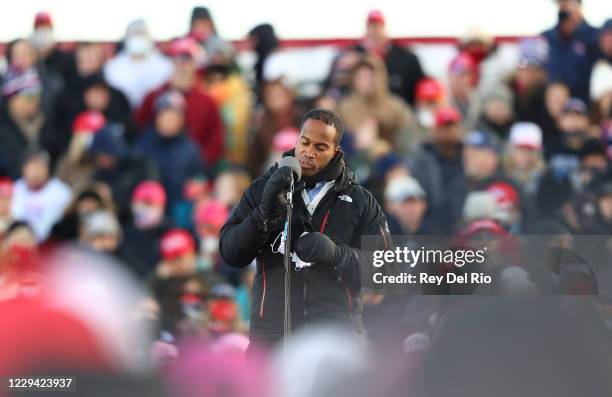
point(176, 243)
point(505, 195)
point(88, 122)
point(376, 16)
point(6, 187)
point(447, 115)
point(185, 46)
point(42, 18)
point(223, 310)
point(150, 192)
point(483, 225)
point(211, 212)
point(429, 89)
point(462, 63)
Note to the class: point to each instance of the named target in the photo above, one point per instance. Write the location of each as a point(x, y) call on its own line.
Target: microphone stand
point(287, 263)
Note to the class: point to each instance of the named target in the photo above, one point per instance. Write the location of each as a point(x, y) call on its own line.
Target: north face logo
point(346, 198)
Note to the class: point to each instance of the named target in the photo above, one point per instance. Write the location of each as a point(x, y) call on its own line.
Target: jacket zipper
point(321, 230)
point(263, 294)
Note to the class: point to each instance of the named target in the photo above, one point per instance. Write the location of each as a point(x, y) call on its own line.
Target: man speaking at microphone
point(330, 215)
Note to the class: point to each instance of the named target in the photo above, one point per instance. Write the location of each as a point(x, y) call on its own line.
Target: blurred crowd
point(138, 151)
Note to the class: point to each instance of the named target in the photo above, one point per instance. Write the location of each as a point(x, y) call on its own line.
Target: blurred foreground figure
point(519, 347)
point(80, 319)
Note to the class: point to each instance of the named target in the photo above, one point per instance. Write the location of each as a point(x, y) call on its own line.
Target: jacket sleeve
point(355, 267)
point(244, 235)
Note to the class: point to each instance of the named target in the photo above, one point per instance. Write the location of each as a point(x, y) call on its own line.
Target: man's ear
point(336, 149)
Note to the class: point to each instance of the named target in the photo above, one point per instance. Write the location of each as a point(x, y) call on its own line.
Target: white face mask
point(146, 217)
point(210, 245)
point(426, 118)
point(42, 38)
point(138, 45)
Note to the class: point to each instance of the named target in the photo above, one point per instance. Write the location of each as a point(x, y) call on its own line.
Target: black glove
point(273, 201)
point(317, 247)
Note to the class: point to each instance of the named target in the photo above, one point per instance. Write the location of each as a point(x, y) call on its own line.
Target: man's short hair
point(329, 118)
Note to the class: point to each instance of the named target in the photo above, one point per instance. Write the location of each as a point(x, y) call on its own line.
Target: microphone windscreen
point(294, 164)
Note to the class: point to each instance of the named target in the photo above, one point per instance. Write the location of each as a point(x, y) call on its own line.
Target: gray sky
point(107, 19)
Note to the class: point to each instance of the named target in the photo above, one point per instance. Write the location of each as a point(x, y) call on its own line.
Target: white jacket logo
point(346, 198)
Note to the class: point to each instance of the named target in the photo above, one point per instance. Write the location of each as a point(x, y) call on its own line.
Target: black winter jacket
point(320, 293)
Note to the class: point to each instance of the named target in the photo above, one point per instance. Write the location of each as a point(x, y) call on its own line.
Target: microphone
point(294, 164)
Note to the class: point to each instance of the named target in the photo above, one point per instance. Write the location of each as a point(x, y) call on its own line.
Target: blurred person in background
point(277, 111)
point(403, 66)
point(178, 286)
point(523, 160)
point(224, 82)
point(430, 95)
point(405, 206)
point(89, 90)
point(6, 196)
point(202, 29)
point(594, 164)
point(480, 46)
point(39, 198)
point(528, 83)
point(224, 311)
point(118, 167)
point(22, 58)
point(601, 78)
point(573, 124)
point(497, 112)
point(230, 185)
point(76, 168)
point(85, 202)
point(142, 235)
point(555, 98)
point(101, 232)
point(264, 42)
point(337, 84)
point(370, 108)
point(438, 163)
point(139, 67)
point(23, 126)
point(209, 217)
point(53, 58)
point(202, 118)
point(573, 49)
point(603, 207)
point(18, 261)
point(507, 207)
point(463, 95)
point(170, 148)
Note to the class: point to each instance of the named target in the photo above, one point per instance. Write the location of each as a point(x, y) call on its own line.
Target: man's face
point(375, 31)
point(184, 66)
point(572, 7)
point(23, 55)
point(363, 81)
point(410, 212)
point(36, 173)
point(89, 59)
point(202, 28)
point(24, 106)
point(97, 98)
point(277, 98)
point(479, 163)
point(316, 146)
point(605, 207)
point(169, 122)
point(447, 134)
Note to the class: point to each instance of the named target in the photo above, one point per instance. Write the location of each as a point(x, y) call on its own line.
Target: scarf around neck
point(330, 172)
